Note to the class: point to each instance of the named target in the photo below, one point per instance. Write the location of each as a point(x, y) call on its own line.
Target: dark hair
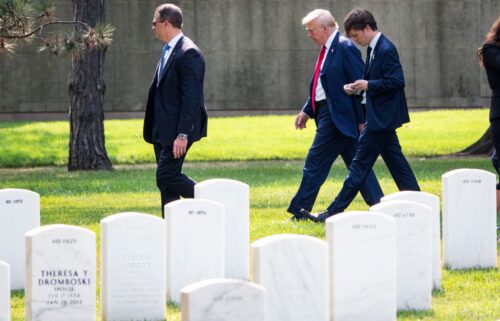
point(492, 37)
point(171, 13)
point(358, 19)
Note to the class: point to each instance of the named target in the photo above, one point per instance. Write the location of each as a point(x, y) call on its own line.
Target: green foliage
point(9, 8)
point(24, 20)
point(102, 35)
point(17, 16)
point(45, 6)
point(433, 133)
point(84, 198)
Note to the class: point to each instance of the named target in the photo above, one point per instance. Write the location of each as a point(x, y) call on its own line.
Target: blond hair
point(324, 17)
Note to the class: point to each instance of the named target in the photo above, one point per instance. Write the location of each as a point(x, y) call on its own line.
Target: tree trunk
point(483, 146)
point(86, 90)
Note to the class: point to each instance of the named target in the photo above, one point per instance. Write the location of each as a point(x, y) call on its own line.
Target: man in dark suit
point(338, 116)
point(176, 116)
point(386, 110)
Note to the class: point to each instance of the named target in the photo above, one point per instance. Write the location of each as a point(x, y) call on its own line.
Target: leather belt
point(319, 104)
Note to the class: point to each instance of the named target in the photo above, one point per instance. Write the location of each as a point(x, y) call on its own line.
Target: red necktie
point(316, 75)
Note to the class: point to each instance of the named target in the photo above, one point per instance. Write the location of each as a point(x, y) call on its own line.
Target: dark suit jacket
point(175, 100)
point(491, 61)
point(386, 107)
point(343, 65)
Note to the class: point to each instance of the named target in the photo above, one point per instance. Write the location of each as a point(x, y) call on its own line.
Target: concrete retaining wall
point(259, 58)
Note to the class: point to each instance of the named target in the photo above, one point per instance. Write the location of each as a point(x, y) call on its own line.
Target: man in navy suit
point(176, 116)
point(339, 117)
point(386, 109)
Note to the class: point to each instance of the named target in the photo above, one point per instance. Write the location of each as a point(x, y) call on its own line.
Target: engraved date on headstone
point(16, 201)
point(199, 212)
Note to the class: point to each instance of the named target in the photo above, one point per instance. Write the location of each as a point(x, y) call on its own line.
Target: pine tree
point(24, 21)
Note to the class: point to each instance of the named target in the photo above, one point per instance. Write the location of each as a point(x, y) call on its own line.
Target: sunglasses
point(155, 22)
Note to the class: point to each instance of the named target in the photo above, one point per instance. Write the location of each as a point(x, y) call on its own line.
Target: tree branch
point(25, 35)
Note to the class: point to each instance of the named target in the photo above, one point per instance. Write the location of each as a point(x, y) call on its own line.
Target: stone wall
point(258, 56)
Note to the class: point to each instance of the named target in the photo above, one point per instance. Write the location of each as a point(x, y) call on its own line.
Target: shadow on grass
point(471, 270)
point(416, 314)
point(88, 216)
point(17, 294)
point(29, 144)
point(13, 124)
point(17, 304)
point(438, 293)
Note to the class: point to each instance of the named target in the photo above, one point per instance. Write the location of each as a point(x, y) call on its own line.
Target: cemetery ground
point(264, 152)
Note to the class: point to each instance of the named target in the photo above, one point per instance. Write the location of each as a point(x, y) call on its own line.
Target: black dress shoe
point(318, 217)
point(297, 218)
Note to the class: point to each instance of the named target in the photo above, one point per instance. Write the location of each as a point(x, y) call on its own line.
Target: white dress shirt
point(320, 92)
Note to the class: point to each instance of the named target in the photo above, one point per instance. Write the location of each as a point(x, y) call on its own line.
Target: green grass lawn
point(84, 198)
point(265, 152)
point(431, 133)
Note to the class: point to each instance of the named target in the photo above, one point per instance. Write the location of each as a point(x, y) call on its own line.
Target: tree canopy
point(25, 21)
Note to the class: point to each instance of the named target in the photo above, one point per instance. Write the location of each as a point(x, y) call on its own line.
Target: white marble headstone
point(362, 255)
point(60, 274)
point(133, 254)
point(235, 197)
point(19, 213)
point(294, 271)
point(4, 292)
point(433, 202)
point(223, 300)
point(413, 252)
point(469, 219)
point(195, 243)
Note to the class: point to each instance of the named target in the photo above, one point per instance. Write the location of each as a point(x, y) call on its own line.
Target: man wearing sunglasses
point(176, 116)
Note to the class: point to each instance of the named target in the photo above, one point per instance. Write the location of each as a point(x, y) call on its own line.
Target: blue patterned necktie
point(162, 60)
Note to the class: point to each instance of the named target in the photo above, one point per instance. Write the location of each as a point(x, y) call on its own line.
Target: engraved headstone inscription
point(294, 271)
point(469, 219)
point(195, 243)
point(4, 291)
point(235, 197)
point(19, 213)
point(362, 256)
point(431, 201)
point(223, 300)
point(413, 252)
point(60, 274)
point(133, 253)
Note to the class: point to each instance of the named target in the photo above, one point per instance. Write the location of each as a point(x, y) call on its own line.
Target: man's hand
point(180, 146)
point(301, 120)
point(360, 84)
point(349, 89)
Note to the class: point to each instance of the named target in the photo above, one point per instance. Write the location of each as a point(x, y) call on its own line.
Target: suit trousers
point(170, 181)
point(328, 144)
point(371, 145)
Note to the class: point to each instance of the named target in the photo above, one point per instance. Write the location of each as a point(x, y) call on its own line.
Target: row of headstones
point(373, 264)
point(20, 213)
point(131, 243)
point(359, 260)
point(472, 182)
